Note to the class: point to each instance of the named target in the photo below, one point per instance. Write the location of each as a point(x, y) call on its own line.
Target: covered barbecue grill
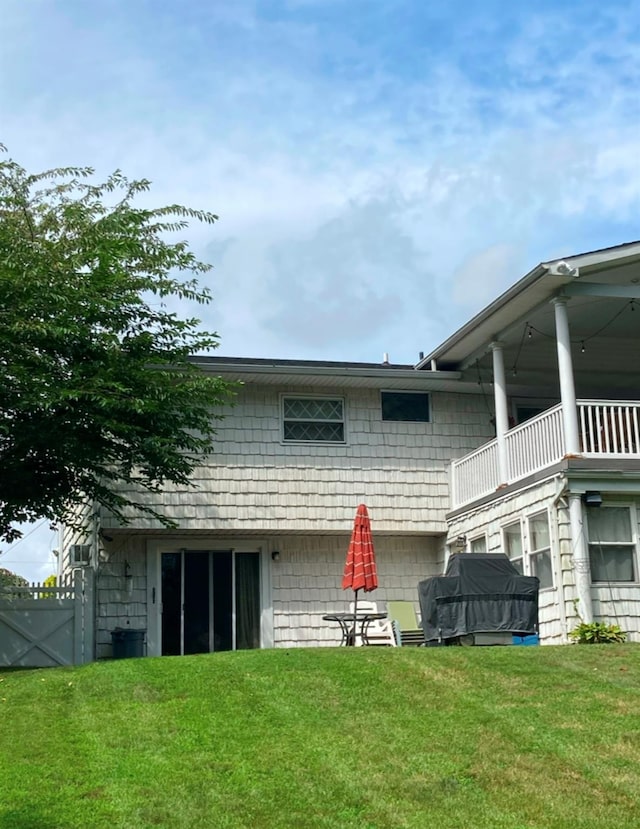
point(481, 596)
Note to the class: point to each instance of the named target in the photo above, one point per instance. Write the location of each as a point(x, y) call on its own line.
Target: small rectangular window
point(512, 535)
point(313, 419)
point(540, 549)
point(80, 554)
point(611, 544)
point(479, 544)
point(409, 406)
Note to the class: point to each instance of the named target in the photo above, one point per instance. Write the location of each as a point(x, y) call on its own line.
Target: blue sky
point(381, 169)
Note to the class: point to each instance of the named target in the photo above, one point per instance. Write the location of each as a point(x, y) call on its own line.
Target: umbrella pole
point(352, 637)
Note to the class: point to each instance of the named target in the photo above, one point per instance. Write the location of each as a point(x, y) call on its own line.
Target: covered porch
point(554, 359)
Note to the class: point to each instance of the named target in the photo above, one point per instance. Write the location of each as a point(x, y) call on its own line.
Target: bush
point(9, 582)
point(596, 633)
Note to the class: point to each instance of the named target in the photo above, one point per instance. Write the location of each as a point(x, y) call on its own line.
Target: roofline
point(272, 362)
point(288, 368)
point(581, 260)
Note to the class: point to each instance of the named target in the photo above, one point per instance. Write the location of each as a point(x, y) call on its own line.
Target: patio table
point(348, 621)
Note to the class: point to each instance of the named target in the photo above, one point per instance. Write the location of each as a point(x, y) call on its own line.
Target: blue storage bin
point(531, 639)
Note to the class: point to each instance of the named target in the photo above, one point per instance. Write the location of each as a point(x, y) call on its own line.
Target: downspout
point(557, 563)
point(581, 565)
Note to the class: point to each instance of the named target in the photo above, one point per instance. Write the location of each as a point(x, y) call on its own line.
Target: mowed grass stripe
point(369, 737)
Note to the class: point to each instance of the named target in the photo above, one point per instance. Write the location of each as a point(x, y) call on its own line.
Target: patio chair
point(405, 615)
point(379, 631)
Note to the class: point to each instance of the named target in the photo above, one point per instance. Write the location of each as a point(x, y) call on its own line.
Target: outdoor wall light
point(128, 578)
point(275, 555)
point(461, 543)
point(592, 499)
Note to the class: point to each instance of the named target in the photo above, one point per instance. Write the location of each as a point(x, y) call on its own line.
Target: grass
point(369, 738)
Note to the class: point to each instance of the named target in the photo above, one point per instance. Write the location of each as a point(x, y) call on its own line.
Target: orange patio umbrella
point(360, 567)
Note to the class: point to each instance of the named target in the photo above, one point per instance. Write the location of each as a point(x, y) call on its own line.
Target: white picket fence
point(43, 626)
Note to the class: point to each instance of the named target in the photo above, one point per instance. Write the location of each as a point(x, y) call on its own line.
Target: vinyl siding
point(255, 482)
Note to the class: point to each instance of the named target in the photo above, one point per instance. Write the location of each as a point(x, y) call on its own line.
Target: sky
point(382, 169)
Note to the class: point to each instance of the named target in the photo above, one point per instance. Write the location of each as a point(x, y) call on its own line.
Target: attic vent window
point(407, 406)
point(313, 419)
point(80, 554)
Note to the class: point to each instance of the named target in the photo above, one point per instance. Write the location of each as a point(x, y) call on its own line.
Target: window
point(611, 544)
point(540, 549)
point(512, 535)
point(313, 419)
point(412, 406)
point(80, 554)
point(537, 561)
point(479, 544)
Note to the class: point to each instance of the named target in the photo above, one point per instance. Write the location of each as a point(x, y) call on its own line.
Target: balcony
point(607, 428)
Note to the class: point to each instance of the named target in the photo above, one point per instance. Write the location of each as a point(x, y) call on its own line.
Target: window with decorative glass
point(313, 419)
point(540, 549)
point(612, 546)
point(512, 536)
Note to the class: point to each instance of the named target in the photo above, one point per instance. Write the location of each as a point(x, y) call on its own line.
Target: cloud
point(353, 273)
point(380, 169)
point(32, 556)
point(479, 278)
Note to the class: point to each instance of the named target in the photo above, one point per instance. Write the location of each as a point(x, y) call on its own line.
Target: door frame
point(157, 546)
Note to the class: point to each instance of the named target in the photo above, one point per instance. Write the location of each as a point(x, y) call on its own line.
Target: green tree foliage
point(9, 579)
point(50, 581)
point(98, 398)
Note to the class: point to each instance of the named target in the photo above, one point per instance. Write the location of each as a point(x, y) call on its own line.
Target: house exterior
point(520, 433)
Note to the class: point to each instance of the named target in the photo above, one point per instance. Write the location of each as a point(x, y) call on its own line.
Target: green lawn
point(337, 738)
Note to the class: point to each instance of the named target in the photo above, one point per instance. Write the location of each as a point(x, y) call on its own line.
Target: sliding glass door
point(210, 601)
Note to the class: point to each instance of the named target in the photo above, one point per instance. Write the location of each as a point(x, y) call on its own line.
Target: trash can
point(127, 642)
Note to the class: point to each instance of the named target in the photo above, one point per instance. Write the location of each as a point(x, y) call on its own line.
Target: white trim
point(153, 603)
point(503, 527)
point(524, 523)
point(530, 552)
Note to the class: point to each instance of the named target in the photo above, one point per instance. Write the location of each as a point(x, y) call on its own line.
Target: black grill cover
point(479, 593)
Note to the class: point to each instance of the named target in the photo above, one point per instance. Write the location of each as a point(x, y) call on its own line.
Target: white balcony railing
point(534, 445)
point(475, 474)
point(610, 428)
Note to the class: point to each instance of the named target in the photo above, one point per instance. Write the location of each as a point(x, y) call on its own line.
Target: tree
point(9, 579)
point(98, 397)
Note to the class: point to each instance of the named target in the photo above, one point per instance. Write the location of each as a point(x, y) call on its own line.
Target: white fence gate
point(42, 627)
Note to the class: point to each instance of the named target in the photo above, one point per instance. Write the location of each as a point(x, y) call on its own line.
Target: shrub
point(596, 633)
point(9, 582)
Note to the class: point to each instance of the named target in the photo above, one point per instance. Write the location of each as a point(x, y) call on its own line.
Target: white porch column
point(502, 415)
point(567, 386)
point(581, 566)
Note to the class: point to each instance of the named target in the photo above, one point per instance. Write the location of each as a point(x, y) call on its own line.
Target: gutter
point(561, 491)
point(324, 371)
